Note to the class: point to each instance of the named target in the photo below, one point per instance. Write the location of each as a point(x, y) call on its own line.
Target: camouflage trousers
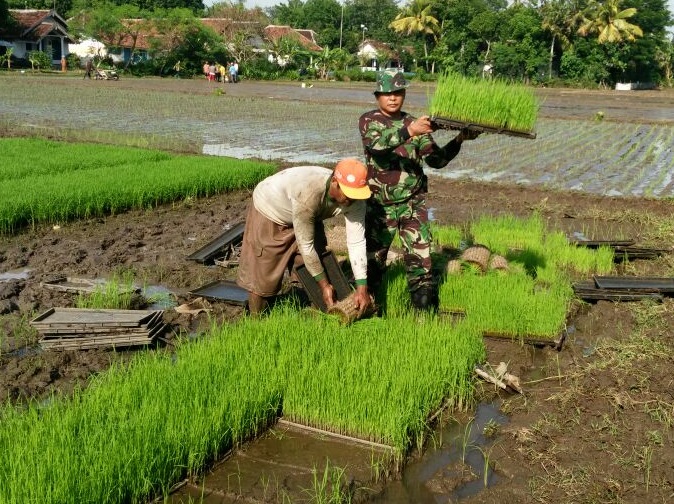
point(410, 221)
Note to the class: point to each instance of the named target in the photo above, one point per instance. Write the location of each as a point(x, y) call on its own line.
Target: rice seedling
point(489, 102)
point(91, 191)
point(379, 380)
point(114, 294)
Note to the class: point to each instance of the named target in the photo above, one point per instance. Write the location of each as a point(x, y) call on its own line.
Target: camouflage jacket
point(395, 160)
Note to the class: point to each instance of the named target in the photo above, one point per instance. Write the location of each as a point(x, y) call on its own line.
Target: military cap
point(390, 81)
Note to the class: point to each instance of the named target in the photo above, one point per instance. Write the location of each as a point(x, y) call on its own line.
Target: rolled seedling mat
point(347, 311)
point(498, 262)
point(478, 255)
point(453, 267)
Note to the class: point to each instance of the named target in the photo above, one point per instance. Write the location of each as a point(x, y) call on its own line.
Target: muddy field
point(595, 421)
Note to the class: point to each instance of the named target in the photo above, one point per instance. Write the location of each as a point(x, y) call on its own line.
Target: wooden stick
point(486, 376)
point(373, 444)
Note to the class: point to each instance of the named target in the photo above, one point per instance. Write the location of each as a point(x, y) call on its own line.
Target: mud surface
point(595, 422)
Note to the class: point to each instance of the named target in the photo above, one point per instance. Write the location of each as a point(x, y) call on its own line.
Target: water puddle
point(457, 467)
point(288, 154)
point(285, 463)
point(159, 297)
point(15, 275)
point(26, 351)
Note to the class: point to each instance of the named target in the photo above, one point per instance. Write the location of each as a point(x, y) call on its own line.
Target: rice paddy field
point(594, 147)
point(154, 420)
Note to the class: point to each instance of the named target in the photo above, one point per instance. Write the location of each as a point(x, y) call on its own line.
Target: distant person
point(211, 72)
point(88, 67)
point(236, 71)
point(232, 72)
point(206, 69)
point(285, 220)
point(396, 146)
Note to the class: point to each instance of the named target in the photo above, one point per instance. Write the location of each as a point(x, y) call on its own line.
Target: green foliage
point(40, 60)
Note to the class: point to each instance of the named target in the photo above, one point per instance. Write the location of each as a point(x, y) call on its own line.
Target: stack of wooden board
point(624, 288)
point(85, 328)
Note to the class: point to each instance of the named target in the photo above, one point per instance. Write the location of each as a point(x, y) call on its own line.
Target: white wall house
point(375, 56)
point(39, 30)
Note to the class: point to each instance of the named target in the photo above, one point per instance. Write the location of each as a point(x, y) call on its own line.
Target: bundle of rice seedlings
point(493, 103)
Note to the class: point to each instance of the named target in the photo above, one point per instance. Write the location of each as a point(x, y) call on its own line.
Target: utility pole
point(341, 27)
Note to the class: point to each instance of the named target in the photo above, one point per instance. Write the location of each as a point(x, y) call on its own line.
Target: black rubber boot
point(425, 298)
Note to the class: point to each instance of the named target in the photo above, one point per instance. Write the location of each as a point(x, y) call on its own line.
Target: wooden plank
point(527, 338)
point(222, 290)
point(588, 291)
point(447, 123)
point(335, 276)
point(206, 253)
point(89, 344)
point(602, 243)
point(650, 284)
point(81, 285)
point(328, 433)
point(79, 317)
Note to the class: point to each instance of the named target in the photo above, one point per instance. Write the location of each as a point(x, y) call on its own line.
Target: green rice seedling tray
point(445, 123)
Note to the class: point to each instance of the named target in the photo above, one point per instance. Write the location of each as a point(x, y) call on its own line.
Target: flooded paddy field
point(595, 422)
point(628, 152)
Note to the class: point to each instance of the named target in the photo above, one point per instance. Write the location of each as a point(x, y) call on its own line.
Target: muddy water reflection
point(284, 465)
point(453, 469)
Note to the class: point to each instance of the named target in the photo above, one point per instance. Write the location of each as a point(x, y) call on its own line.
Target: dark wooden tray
point(335, 276)
point(445, 123)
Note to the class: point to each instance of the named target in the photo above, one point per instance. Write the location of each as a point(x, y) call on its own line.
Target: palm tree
point(609, 22)
point(417, 18)
point(556, 15)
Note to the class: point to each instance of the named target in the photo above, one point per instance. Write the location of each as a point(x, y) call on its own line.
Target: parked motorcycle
point(106, 75)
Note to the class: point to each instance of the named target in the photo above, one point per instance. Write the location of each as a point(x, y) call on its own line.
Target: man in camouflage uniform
point(396, 145)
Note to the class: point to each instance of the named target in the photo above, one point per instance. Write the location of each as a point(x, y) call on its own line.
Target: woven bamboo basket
point(347, 311)
point(478, 255)
point(498, 262)
point(453, 267)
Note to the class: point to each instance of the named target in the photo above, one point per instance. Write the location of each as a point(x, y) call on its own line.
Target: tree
point(644, 54)
point(417, 19)
point(609, 22)
point(176, 35)
point(556, 15)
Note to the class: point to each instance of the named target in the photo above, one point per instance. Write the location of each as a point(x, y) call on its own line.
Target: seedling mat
point(451, 124)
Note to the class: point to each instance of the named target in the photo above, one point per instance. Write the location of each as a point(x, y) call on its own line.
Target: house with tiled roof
point(374, 56)
point(306, 38)
point(37, 30)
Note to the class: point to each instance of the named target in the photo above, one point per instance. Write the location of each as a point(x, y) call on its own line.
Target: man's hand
point(362, 299)
point(467, 134)
point(327, 291)
point(420, 126)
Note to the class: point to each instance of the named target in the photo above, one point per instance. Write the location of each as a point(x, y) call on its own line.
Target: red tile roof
point(275, 32)
point(34, 24)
